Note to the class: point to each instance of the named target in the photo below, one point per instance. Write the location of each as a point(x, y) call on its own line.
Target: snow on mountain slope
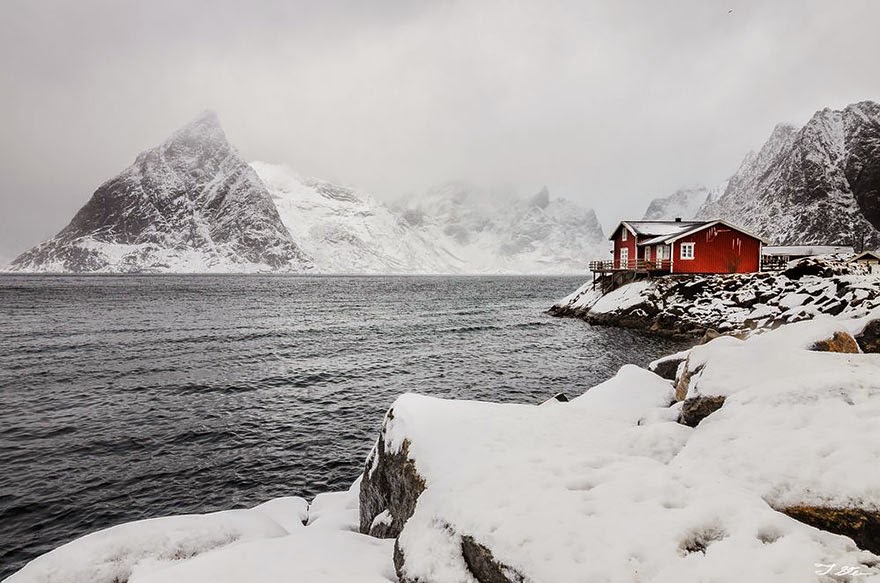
point(189, 205)
point(684, 203)
point(819, 184)
point(453, 228)
point(496, 232)
point(348, 231)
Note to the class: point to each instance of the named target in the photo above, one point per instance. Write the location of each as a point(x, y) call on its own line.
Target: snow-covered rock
point(189, 205)
point(819, 184)
point(112, 555)
point(690, 305)
point(307, 555)
point(584, 491)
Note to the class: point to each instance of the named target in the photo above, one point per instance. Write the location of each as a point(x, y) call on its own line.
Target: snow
point(587, 493)
point(111, 555)
point(307, 555)
point(622, 298)
point(336, 510)
point(291, 512)
point(819, 410)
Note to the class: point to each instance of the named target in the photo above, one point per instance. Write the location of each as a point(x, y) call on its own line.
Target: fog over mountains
point(193, 205)
point(818, 184)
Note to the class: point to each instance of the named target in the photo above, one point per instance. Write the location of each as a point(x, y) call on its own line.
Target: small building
point(786, 253)
point(682, 247)
point(869, 258)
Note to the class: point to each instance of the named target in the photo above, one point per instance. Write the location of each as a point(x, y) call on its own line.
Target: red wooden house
point(682, 247)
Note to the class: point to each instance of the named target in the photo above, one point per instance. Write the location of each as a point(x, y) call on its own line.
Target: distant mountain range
point(193, 205)
point(818, 184)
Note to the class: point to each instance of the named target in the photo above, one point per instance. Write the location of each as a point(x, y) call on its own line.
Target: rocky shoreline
point(688, 306)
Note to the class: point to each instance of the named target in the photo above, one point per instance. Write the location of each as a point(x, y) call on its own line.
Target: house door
point(624, 258)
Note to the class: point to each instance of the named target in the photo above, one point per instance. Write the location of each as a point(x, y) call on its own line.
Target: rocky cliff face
point(684, 203)
point(190, 204)
point(819, 184)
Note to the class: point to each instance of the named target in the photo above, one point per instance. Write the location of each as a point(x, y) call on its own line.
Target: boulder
point(698, 408)
point(839, 342)
point(390, 487)
point(859, 524)
point(667, 367)
point(869, 339)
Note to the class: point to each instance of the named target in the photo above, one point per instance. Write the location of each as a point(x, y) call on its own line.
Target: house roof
point(866, 255)
point(805, 250)
point(665, 232)
point(655, 228)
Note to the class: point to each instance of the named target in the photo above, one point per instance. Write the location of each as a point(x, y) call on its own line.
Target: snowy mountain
point(684, 203)
point(189, 205)
point(493, 231)
point(348, 231)
point(819, 184)
point(193, 205)
point(453, 228)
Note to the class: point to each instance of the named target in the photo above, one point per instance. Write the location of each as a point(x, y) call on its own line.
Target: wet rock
point(861, 525)
point(839, 342)
point(698, 408)
point(390, 483)
point(869, 339)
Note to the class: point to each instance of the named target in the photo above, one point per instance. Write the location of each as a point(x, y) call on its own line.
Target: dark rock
point(483, 565)
point(863, 526)
point(667, 368)
point(394, 485)
point(869, 339)
point(698, 408)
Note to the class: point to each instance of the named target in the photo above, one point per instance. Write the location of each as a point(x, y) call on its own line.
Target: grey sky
point(607, 103)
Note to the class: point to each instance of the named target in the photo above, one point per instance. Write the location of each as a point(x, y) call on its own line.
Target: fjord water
point(128, 397)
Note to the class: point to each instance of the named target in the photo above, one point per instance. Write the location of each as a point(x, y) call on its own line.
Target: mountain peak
point(541, 199)
point(204, 129)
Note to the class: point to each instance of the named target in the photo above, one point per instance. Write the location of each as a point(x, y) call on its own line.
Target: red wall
point(718, 249)
point(630, 244)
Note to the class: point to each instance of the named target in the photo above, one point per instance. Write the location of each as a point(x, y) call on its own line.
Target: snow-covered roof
point(655, 228)
point(805, 250)
point(670, 231)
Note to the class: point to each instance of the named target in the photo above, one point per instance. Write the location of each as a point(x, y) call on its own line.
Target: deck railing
point(630, 265)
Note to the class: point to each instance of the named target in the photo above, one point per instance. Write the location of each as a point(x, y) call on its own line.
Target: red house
point(683, 247)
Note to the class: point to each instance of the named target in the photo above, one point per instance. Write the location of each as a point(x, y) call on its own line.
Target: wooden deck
point(635, 265)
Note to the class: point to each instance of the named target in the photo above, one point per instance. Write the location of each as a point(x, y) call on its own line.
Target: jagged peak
point(205, 128)
point(541, 199)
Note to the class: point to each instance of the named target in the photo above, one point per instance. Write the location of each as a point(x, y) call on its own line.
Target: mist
point(608, 104)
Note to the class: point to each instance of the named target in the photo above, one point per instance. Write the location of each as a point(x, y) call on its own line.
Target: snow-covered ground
point(607, 487)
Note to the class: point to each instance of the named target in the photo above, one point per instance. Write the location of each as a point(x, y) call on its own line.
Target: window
point(647, 253)
point(687, 250)
point(624, 257)
point(623, 234)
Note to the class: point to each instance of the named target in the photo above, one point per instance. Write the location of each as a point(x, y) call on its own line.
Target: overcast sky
point(607, 103)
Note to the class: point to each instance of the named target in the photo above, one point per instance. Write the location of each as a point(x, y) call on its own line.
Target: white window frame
point(624, 257)
point(687, 251)
point(624, 234)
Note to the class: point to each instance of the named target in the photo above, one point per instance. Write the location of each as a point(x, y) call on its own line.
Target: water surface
point(128, 397)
